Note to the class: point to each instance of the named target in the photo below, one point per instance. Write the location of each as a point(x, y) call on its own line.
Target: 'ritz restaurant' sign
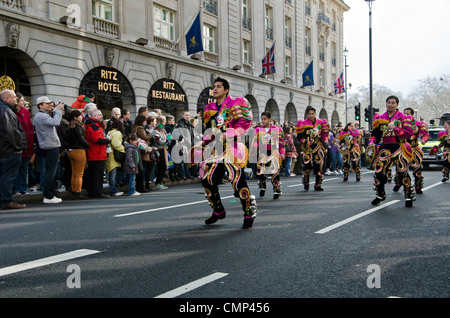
point(168, 92)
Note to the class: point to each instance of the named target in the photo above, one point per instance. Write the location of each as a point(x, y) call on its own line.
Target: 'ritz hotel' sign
point(109, 87)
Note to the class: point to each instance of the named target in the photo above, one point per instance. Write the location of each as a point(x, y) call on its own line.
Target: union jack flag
point(339, 87)
point(268, 63)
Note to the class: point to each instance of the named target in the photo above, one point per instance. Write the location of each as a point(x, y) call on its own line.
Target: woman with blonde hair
point(112, 165)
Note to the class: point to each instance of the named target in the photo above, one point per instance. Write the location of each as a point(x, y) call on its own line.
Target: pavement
point(36, 196)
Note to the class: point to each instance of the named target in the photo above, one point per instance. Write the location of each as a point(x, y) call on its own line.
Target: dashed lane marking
point(46, 261)
point(193, 285)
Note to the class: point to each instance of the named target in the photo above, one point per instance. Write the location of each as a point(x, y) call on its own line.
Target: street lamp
point(369, 2)
point(345, 62)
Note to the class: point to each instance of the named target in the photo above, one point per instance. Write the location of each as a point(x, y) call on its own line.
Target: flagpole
point(189, 25)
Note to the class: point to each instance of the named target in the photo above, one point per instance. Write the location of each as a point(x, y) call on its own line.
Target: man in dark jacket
point(12, 144)
point(96, 154)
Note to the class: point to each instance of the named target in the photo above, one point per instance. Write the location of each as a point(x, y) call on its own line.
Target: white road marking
point(166, 207)
point(357, 216)
point(191, 286)
point(328, 179)
point(46, 261)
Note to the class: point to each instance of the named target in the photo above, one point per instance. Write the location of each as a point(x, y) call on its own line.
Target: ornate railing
point(106, 27)
point(14, 4)
point(165, 44)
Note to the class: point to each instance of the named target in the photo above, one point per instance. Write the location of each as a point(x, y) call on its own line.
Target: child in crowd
point(133, 162)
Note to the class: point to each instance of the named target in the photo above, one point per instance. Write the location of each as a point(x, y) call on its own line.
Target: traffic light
point(376, 110)
point(366, 114)
point(357, 112)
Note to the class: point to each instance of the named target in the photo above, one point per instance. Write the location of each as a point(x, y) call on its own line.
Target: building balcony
point(322, 18)
point(13, 4)
point(106, 27)
point(211, 57)
point(165, 44)
point(247, 23)
point(210, 6)
point(308, 50)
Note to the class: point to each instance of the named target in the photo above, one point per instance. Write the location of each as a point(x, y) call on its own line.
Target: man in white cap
point(45, 123)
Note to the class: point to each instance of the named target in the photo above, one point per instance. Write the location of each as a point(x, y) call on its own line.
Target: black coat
point(76, 138)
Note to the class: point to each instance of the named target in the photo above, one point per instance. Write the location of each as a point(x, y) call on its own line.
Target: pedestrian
point(126, 117)
point(291, 151)
point(336, 157)
point(77, 153)
point(269, 144)
point(64, 174)
point(233, 117)
point(153, 154)
point(133, 163)
point(96, 154)
point(12, 144)
point(169, 128)
point(115, 114)
point(83, 100)
point(143, 111)
point(144, 145)
point(88, 109)
point(313, 136)
point(160, 136)
point(112, 165)
point(387, 130)
point(23, 114)
point(46, 122)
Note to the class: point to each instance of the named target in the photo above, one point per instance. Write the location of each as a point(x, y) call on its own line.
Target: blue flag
point(194, 37)
point(308, 75)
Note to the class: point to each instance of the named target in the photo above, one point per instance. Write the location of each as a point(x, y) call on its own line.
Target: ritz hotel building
point(133, 53)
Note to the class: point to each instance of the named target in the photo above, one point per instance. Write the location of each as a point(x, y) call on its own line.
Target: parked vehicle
point(444, 117)
point(432, 141)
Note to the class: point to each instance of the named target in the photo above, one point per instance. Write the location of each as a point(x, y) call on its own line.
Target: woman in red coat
point(96, 154)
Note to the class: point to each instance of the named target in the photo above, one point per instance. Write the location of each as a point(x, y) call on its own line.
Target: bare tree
point(432, 96)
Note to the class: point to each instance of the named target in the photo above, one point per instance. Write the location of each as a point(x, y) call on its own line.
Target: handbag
point(288, 148)
point(171, 165)
point(119, 156)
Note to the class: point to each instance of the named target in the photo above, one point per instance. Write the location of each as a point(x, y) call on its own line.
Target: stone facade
point(120, 50)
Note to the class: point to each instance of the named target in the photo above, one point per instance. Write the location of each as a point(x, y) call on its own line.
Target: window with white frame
point(103, 9)
point(287, 32)
point(288, 66)
point(246, 52)
point(209, 39)
point(246, 20)
point(164, 23)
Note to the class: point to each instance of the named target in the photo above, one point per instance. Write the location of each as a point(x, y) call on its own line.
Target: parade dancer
point(226, 120)
point(269, 142)
point(391, 130)
point(350, 150)
point(420, 135)
point(444, 138)
point(313, 136)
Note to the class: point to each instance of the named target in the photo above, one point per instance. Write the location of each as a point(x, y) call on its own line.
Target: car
point(432, 141)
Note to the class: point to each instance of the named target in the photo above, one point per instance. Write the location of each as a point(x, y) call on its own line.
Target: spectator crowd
point(73, 148)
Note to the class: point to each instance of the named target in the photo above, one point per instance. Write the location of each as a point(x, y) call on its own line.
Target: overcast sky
point(410, 41)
